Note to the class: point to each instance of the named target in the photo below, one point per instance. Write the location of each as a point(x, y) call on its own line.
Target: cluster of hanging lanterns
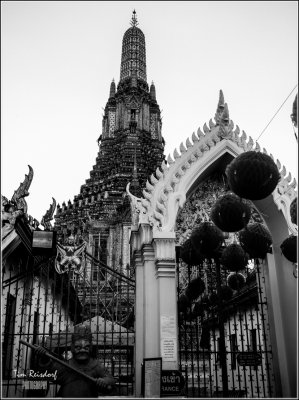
point(254, 176)
point(251, 176)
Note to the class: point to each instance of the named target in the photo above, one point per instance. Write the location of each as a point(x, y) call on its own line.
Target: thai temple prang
point(131, 147)
point(118, 264)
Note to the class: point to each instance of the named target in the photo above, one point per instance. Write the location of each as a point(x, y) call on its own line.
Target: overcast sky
point(59, 58)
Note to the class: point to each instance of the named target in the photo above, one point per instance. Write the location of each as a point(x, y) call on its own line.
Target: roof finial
point(220, 108)
point(134, 21)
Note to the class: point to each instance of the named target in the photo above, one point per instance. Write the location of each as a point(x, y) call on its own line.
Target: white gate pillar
point(164, 244)
point(156, 330)
point(139, 349)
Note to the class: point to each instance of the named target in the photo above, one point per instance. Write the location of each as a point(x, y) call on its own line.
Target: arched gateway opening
point(257, 357)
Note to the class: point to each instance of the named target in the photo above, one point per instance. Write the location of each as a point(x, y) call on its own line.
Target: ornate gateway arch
point(153, 246)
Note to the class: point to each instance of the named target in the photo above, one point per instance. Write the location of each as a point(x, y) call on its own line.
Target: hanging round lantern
point(189, 255)
point(289, 248)
point(255, 240)
point(230, 213)
point(195, 288)
point(198, 309)
point(252, 175)
point(206, 239)
point(213, 298)
point(236, 281)
point(293, 211)
point(183, 303)
point(226, 293)
point(234, 257)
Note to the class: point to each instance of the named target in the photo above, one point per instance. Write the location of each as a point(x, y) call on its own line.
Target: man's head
point(81, 343)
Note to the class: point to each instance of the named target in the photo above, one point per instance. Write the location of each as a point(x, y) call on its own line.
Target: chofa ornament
point(256, 240)
point(252, 175)
point(230, 213)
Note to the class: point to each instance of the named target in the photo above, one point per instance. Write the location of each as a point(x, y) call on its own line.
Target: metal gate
point(42, 307)
point(224, 343)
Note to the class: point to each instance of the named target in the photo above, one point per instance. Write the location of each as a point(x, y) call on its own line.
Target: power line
point(275, 114)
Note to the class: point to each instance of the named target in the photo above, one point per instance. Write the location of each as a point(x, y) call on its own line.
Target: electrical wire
point(276, 113)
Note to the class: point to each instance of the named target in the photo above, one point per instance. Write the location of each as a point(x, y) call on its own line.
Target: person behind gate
point(71, 383)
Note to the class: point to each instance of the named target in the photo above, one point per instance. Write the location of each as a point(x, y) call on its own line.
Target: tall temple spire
point(133, 52)
point(131, 146)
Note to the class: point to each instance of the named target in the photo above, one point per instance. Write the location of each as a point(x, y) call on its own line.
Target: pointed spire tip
point(134, 21)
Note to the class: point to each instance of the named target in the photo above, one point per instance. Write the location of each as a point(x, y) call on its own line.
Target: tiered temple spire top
point(133, 52)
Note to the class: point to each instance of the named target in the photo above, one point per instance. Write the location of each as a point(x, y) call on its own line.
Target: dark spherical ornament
point(293, 211)
point(198, 309)
point(226, 293)
point(255, 240)
point(195, 288)
point(183, 303)
point(252, 175)
point(234, 257)
point(206, 239)
point(189, 255)
point(230, 213)
point(289, 248)
point(236, 281)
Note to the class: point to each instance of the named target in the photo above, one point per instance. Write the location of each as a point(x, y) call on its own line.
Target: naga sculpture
point(17, 206)
point(45, 222)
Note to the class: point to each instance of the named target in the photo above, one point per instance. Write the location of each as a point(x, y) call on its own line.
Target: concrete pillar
point(150, 304)
point(156, 326)
point(139, 314)
point(164, 244)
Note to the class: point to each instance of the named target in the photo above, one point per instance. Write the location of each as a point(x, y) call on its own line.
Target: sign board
point(43, 239)
point(249, 358)
point(172, 383)
point(169, 349)
point(151, 377)
point(43, 242)
point(168, 341)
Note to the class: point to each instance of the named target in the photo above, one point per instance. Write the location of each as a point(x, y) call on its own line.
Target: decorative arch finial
point(220, 107)
point(134, 21)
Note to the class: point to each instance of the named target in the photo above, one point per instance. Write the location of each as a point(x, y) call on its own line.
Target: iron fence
point(224, 345)
point(42, 307)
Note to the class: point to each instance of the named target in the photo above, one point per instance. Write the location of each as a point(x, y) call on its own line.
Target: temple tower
point(131, 147)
